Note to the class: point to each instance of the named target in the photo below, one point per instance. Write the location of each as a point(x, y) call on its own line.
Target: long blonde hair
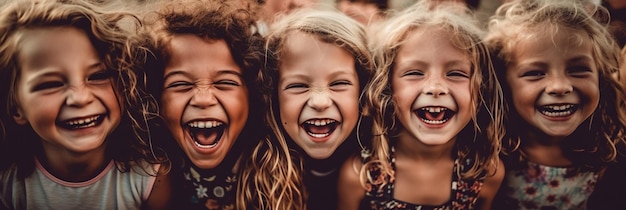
point(479, 140)
point(328, 26)
point(591, 146)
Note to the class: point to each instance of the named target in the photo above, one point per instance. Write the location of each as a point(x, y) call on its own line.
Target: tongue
point(318, 129)
point(206, 137)
point(434, 116)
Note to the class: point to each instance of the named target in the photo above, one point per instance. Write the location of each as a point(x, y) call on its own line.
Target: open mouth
point(206, 134)
point(560, 110)
point(83, 122)
point(434, 114)
point(320, 128)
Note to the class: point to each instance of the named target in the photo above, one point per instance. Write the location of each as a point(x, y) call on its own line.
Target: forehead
point(544, 38)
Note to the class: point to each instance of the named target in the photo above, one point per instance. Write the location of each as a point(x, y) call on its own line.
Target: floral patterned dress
point(535, 186)
point(463, 195)
point(204, 190)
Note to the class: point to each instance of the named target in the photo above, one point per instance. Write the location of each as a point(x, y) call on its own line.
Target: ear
point(19, 117)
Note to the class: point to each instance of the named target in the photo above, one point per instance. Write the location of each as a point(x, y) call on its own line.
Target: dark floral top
point(535, 186)
point(209, 190)
point(463, 195)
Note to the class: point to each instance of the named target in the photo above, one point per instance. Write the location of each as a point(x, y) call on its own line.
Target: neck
point(415, 149)
point(543, 149)
point(71, 166)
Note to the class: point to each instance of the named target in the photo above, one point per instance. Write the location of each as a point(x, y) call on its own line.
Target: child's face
point(65, 93)
point(554, 81)
point(430, 83)
point(205, 99)
point(318, 94)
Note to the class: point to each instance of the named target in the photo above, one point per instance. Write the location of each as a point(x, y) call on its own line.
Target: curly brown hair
point(110, 34)
point(261, 185)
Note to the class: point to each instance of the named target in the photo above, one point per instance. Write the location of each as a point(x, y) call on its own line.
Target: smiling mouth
point(320, 128)
point(206, 134)
point(434, 114)
point(560, 110)
point(84, 122)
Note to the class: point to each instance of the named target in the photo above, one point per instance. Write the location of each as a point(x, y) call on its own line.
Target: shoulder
point(350, 170)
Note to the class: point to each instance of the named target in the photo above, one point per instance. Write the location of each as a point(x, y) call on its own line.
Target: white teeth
point(435, 122)
point(557, 114)
point(89, 120)
point(206, 146)
point(557, 110)
point(204, 124)
point(434, 109)
point(320, 122)
point(319, 135)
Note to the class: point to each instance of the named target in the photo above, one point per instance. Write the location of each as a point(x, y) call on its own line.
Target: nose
point(203, 97)
point(435, 87)
point(79, 96)
point(559, 86)
point(319, 100)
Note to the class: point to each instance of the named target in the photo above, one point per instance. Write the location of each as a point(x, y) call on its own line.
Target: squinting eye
point(533, 74)
point(458, 74)
point(341, 83)
point(47, 85)
point(296, 85)
point(579, 70)
point(227, 82)
point(178, 85)
point(413, 73)
point(101, 75)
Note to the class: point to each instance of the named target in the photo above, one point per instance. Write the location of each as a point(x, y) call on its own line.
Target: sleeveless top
point(111, 189)
point(535, 186)
point(206, 190)
point(463, 195)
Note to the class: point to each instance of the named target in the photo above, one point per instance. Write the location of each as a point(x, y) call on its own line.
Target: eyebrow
point(447, 64)
point(186, 74)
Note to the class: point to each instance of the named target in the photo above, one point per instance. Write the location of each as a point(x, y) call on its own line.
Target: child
point(318, 63)
point(436, 108)
point(73, 115)
point(566, 111)
point(204, 77)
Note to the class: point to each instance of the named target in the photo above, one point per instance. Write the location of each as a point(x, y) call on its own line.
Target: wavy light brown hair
point(328, 26)
point(480, 139)
point(109, 33)
point(595, 142)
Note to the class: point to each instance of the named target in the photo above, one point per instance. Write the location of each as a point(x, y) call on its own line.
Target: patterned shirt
point(463, 195)
point(535, 186)
point(205, 190)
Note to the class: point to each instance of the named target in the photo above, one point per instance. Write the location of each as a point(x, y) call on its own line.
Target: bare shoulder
point(350, 189)
point(160, 195)
point(491, 185)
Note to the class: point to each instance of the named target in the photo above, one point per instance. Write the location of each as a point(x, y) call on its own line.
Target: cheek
point(237, 108)
point(171, 109)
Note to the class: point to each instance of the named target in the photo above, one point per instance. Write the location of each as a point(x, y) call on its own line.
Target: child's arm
point(491, 187)
point(349, 185)
point(160, 195)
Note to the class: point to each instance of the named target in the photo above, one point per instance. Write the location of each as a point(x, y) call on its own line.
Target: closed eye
point(580, 71)
point(226, 84)
point(413, 73)
point(179, 85)
point(100, 76)
point(296, 86)
point(458, 74)
point(47, 86)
